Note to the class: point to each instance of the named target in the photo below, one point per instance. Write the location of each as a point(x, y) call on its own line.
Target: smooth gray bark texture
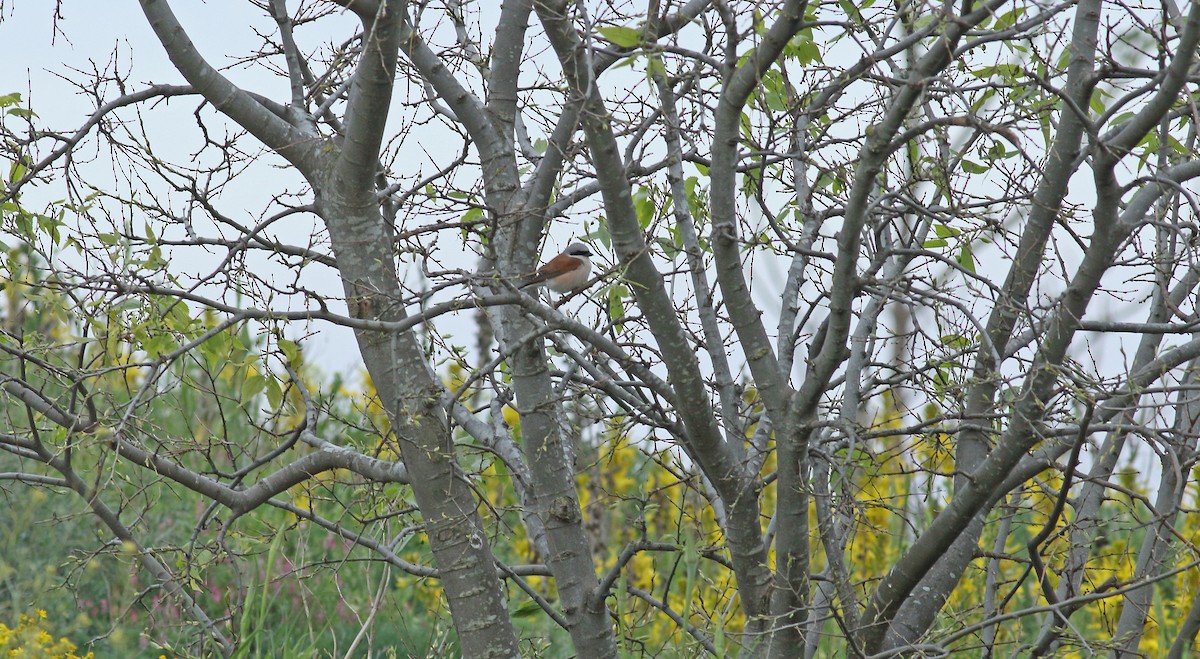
point(344, 181)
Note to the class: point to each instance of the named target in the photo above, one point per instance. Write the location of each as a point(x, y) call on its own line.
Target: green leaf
point(1176, 145)
point(527, 610)
point(178, 319)
point(50, 226)
point(808, 53)
point(930, 244)
point(616, 303)
point(291, 351)
point(216, 350)
point(851, 10)
point(1120, 119)
point(655, 67)
point(1005, 72)
point(966, 258)
point(274, 394)
point(16, 171)
point(154, 259)
point(600, 233)
point(775, 91)
point(252, 386)
point(644, 205)
point(803, 49)
point(983, 98)
point(1008, 19)
point(158, 345)
point(749, 186)
point(747, 127)
point(625, 37)
point(973, 167)
point(956, 341)
point(670, 246)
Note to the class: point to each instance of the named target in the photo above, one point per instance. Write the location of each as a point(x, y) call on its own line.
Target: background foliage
point(891, 350)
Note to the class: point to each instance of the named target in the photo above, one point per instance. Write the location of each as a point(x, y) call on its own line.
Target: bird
point(566, 272)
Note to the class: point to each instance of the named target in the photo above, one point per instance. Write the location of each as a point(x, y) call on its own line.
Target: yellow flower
point(31, 639)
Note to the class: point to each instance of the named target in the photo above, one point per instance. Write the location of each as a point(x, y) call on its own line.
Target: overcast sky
point(41, 50)
point(44, 55)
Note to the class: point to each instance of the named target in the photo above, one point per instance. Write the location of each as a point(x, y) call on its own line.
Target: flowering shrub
point(30, 639)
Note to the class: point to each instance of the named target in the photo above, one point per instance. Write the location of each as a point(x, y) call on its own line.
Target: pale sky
point(115, 35)
point(96, 34)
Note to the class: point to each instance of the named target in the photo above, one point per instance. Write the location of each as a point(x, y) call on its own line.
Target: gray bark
point(704, 439)
point(1091, 494)
point(343, 178)
point(1154, 556)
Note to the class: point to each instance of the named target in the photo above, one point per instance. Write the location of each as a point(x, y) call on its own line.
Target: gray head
point(578, 250)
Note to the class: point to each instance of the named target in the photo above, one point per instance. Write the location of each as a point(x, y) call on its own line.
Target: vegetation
point(847, 383)
point(30, 639)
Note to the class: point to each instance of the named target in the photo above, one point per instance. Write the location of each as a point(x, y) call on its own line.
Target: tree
point(864, 260)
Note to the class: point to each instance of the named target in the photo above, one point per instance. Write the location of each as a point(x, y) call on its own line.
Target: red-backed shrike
point(565, 272)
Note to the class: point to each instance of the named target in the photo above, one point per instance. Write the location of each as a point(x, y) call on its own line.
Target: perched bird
point(566, 272)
